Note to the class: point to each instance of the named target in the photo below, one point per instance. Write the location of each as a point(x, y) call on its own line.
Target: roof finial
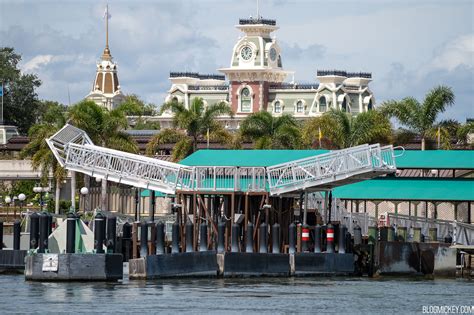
point(106, 55)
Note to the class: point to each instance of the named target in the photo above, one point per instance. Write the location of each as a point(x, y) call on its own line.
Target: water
point(222, 296)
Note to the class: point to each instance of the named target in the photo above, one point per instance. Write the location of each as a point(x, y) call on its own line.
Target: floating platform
point(74, 267)
point(397, 258)
point(323, 264)
point(254, 264)
point(12, 261)
point(211, 264)
point(193, 264)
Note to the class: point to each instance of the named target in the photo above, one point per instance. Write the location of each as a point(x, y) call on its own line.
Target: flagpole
point(107, 26)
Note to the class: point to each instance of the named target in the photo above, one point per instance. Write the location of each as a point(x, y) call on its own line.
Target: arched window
point(322, 104)
point(344, 105)
point(369, 106)
point(299, 107)
point(277, 107)
point(245, 100)
point(174, 99)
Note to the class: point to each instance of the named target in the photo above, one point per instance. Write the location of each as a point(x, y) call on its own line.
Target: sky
point(408, 46)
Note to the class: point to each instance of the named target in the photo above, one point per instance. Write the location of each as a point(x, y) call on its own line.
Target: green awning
point(436, 159)
point(146, 193)
point(433, 189)
point(246, 158)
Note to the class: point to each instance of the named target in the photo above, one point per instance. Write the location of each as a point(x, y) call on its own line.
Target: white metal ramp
point(75, 151)
point(331, 169)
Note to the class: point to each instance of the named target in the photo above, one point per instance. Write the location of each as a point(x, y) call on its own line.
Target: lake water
point(222, 296)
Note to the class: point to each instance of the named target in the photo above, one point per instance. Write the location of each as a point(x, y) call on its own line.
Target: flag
point(106, 13)
point(207, 138)
point(1, 90)
point(320, 134)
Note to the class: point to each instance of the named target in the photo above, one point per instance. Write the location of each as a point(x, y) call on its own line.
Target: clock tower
point(255, 65)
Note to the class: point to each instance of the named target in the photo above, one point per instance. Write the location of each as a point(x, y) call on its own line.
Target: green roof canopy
point(433, 189)
point(436, 159)
point(246, 158)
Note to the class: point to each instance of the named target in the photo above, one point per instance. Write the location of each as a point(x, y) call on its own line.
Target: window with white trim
point(277, 107)
point(322, 104)
point(245, 100)
point(299, 107)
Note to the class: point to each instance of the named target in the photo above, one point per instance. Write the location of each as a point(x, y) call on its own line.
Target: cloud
point(457, 52)
point(35, 63)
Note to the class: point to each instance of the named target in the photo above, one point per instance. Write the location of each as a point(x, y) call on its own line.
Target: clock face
point(273, 54)
point(246, 53)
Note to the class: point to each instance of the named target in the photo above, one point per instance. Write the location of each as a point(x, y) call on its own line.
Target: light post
point(41, 191)
point(22, 198)
point(8, 200)
point(84, 192)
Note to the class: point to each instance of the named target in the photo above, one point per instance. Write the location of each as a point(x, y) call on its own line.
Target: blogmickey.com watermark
point(447, 309)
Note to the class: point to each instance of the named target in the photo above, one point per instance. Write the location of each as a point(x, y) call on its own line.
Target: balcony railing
point(346, 74)
point(288, 86)
point(208, 87)
point(196, 75)
point(257, 21)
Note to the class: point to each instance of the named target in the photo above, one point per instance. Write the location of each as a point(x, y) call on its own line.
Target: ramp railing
point(330, 167)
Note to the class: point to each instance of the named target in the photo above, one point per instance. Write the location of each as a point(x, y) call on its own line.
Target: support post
point(235, 238)
point(175, 238)
point(16, 235)
point(111, 234)
point(203, 237)
point(249, 238)
point(276, 238)
point(152, 205)
point(263, 238)
point(43, 233)
point(292, 238)
point(143, 239)
point(99, 232)
point(34, 230)
point(317, 239)
point(189, 236)
point(71, 233)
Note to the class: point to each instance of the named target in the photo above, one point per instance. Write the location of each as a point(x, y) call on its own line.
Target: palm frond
point(436, 102)
point(165, 136)
point(182, 149)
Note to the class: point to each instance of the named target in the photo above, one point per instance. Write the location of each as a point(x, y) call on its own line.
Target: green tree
point(336, 129)
point(105, 128)
point(465, 133)
point(420, 117)
point(268, 132)
point(193, 125)
point(21, 104)
point(134, 106)
point(37, 149)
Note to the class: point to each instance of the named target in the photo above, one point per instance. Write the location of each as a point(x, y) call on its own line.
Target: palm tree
point(42, 157)
point(420, 118)
point(268, 132)
point(105, 128)
point(193, 124)
point(337, 129)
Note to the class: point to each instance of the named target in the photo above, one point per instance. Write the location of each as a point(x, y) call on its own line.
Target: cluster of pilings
point(149, 238)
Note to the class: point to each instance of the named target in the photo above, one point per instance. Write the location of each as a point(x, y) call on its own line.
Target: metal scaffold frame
point(75, 151)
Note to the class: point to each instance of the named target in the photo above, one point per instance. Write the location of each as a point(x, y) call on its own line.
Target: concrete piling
point(99, 233)
point(357, 235)
point(34, 230)
point(160, 238)
point(292, 238)
point(235, 238)
point(43, 233)
point(263, 248)
point(330, 238)
point(111, 234)
point(16, 235)
point(317, 239)
point(126, 240)
point(276, 238)
point(175, 238)
point(342, 239)
point(189, 236)
point(70, 233)
point(220, 236)
point(305, 238)
point(249, 238)
point(143, 239)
